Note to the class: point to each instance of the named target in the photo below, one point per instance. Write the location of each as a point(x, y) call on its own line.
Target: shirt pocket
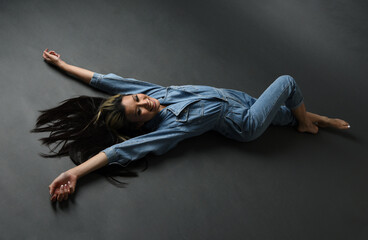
point(192, 113)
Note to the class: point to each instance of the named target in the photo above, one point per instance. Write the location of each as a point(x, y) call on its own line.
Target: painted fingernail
point(69, 182)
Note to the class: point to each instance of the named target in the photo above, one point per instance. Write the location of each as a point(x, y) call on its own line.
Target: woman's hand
point(62, 186)
point(52, 57)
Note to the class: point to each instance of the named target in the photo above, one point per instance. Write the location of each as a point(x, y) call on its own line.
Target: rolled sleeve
point(113, 157)
point(157, 142)
point(114, 84)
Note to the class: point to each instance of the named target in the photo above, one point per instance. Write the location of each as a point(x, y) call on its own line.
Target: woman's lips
point(152, 104)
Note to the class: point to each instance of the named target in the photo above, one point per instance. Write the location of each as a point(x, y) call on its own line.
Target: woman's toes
point(340, 124)
point(346, 125)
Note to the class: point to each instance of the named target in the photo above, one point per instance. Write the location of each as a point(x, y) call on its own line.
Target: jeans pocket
point(234, 120)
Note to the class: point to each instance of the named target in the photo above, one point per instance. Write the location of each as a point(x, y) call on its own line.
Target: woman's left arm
point(66, 182)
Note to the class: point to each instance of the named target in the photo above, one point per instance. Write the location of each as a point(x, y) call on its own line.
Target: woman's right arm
point(109, 83)
point(54, 58)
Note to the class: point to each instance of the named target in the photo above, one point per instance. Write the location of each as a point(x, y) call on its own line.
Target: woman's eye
point(139, 111)
point(136, 98)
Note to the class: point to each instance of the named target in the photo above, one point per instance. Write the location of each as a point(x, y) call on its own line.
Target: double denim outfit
point(193, 110)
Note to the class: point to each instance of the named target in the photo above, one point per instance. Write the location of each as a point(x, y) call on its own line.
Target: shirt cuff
point(114, 158)
point(96, 79)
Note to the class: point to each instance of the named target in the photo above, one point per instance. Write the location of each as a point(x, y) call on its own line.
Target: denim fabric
point(247, 117)
point(193, 110)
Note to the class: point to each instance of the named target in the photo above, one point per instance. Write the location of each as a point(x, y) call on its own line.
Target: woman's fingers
point(46, 56)
point(53, 53)
point(53, 198)
point(53, 195)
point(67, 188)
point(49, 54)
point(61, 194)
point(71, 187)
point(51, 189)
point(46, 51)
point(66, 192)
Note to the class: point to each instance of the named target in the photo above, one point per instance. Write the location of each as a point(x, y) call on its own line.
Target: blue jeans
point(247, 119)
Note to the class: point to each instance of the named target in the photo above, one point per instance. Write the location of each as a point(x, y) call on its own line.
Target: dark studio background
point(285, 185)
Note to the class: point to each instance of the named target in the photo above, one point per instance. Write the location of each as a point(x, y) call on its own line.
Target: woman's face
point(140, 108)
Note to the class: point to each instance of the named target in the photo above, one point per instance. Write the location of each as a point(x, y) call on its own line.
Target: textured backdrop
point(284, 185)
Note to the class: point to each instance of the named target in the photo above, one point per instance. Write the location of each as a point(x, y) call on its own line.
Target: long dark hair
point(83, 126)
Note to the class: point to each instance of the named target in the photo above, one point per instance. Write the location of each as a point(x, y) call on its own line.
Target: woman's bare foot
point(307, 127)
point(322, 121)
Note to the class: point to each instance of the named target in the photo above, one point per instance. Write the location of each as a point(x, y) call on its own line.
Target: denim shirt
point(191, 110)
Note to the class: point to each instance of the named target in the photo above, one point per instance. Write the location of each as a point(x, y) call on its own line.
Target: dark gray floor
point(285, 185)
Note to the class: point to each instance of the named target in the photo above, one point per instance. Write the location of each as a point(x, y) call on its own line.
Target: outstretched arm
point(54, 58)
point(66, 182)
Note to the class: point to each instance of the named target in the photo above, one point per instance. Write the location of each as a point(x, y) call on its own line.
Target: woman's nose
point(143, 103)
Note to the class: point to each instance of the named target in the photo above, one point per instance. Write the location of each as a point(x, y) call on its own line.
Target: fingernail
point(69, 182)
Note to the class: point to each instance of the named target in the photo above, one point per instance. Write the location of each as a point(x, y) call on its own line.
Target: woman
point(158, 118)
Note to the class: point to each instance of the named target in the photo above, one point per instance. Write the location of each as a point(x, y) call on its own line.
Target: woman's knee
point(286, 79)
point(295, 94)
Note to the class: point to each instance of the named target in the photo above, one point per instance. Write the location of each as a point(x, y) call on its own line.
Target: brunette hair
point(83, 126)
